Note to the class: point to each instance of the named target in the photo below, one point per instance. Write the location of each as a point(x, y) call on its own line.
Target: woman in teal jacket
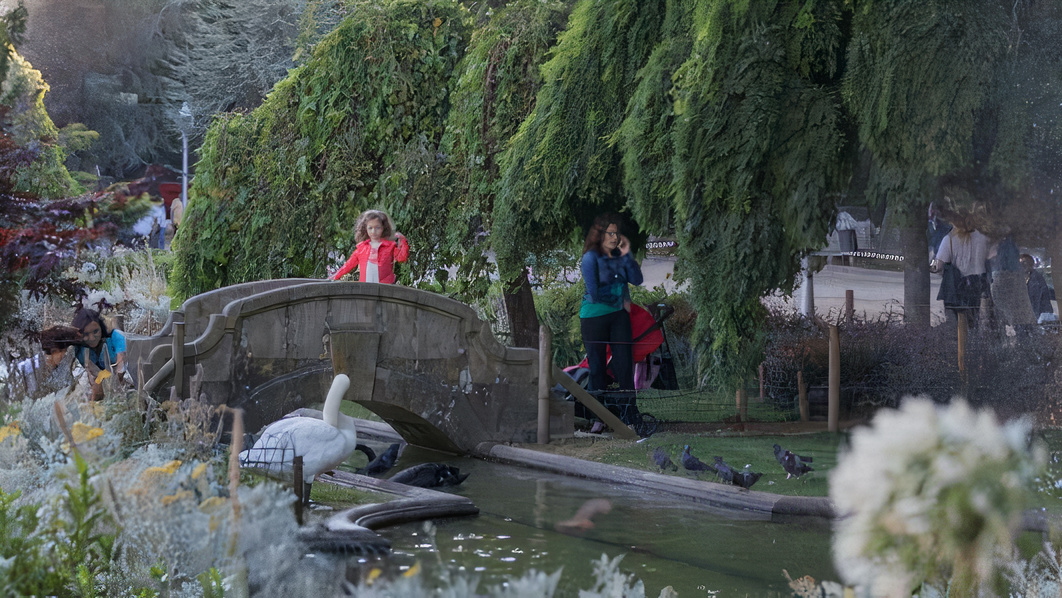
point(604, 317)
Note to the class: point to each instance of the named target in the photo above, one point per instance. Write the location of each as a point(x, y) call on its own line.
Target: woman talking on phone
point(604, 317)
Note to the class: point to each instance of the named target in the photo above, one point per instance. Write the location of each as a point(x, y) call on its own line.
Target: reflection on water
point(695, 549)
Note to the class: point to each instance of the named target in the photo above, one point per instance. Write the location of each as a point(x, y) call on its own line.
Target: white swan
point(322, 443)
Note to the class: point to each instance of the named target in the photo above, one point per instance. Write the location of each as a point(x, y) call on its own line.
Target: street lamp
point(186, 122)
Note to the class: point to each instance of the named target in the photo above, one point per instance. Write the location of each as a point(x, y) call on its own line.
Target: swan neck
point(330, 414)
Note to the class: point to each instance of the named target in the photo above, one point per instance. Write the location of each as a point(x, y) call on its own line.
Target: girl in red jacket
point(376, 253)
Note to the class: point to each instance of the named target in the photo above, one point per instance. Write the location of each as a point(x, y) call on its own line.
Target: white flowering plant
point(932, 494)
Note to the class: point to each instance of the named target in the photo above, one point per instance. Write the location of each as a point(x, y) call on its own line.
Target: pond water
point(697, 550)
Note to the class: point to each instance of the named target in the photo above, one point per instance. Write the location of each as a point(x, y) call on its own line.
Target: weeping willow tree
point(758, 148)
point(278, 189)
point(560, 168)
point(645, 139)
point(1026, 135)
point(493, 94)
point(918, 79)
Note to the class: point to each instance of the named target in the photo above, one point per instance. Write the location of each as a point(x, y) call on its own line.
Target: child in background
point(102, 350)
point(50, 370)
point(376, 253)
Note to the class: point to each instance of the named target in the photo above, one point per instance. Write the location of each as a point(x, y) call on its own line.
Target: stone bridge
point(424, 363)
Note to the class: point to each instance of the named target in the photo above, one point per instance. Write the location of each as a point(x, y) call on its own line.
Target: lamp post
point(186, 123)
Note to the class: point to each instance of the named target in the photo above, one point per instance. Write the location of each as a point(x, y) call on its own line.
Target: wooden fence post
point(545, 381)
point(802, 393)
point(835, 379)
point(963, 331)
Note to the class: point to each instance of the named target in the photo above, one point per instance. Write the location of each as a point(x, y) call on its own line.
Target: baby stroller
point(653, 368)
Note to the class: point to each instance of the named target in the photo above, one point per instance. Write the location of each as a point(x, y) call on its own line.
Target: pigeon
point(430, 475)
point(384, 462)
point(662, 460)
point(746, 478)
point(693, 463)
point(779, 454)
point(724, 470)
point(795, 465)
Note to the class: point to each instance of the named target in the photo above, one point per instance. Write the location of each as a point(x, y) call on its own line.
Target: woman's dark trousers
point(610, 330)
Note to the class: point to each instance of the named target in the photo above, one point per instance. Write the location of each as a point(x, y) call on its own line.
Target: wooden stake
point(742, 405)
point(620, 429)
point(835, 380)
point(963, 331)
point(545, 381)
point(300, 488)
point(762, 396)
point(849, 305)
point(802, 392)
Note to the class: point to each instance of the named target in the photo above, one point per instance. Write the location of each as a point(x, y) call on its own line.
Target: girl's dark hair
point(596, 234)
point(59, 338)
point(86, 316)
point(361, 232)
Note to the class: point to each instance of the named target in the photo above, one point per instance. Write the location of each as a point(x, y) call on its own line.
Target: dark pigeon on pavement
point(662, 460)
point(693, 463)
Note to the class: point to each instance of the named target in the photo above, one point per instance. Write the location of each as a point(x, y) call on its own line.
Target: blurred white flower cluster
point(129, 281)
point(931, 494)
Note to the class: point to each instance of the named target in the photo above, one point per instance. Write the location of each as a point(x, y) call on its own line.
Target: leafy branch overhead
point(737, 126)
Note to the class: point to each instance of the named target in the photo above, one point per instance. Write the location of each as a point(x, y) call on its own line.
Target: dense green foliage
point(30, 127)
point(918, 75)
point(758, 148)
point(57, 554)
point(494, 93)
point(645, 138)
point(561, 169)
point(278, 189)
point(738, 125)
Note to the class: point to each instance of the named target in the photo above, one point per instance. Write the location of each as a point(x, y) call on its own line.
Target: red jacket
point(389, 253)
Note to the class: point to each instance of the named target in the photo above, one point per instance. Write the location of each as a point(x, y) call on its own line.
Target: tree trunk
point(520, 307)
point(916, 287)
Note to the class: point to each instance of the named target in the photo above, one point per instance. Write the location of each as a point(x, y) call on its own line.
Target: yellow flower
point(82, 432)
point(198, 471)
point(167, 469)
point(172, 498)
point(11, 429)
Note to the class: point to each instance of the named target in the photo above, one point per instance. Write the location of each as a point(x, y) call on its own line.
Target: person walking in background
point(1040, 295)
point(604, 318)
point(962, 255)
point(1010, 302)
point(936, 230)
point(379, 247)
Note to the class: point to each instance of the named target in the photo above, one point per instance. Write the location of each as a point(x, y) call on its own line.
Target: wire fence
point(881, 362)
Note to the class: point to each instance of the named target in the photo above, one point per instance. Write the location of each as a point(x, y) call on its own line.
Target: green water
point(697, 550)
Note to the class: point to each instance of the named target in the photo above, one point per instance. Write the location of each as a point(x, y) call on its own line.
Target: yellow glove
point(103, 375)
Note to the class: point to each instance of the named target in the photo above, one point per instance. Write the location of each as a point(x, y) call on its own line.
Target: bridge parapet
point(424, 363)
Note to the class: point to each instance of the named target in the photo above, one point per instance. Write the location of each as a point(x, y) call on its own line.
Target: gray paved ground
point(876, 291)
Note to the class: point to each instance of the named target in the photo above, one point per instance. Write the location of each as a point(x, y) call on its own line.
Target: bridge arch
point(426, 364)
